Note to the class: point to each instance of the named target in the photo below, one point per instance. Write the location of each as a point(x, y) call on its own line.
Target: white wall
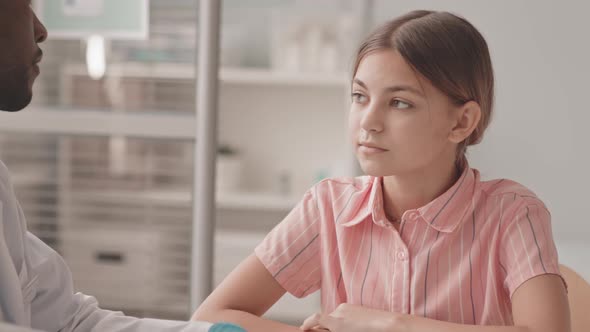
point(301, 130)
point(539, 136)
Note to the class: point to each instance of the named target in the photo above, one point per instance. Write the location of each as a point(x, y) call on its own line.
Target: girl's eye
point(358, 98)
point(399, 104)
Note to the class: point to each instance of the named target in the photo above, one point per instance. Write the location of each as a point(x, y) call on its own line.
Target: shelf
point(239, 200)
point(245, 76)
point(255, 201)
point(31, 177)
point(89, 122)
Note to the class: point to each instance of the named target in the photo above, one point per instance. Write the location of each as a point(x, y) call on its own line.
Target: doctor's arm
point(56, 307)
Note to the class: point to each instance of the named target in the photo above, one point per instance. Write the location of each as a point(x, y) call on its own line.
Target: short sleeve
point(528, 249)
point(291, 251)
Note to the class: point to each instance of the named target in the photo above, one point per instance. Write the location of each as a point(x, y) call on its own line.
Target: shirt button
point(413, 215)
point(401, 256)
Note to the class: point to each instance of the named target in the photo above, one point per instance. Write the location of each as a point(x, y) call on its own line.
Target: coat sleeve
point(56, 307)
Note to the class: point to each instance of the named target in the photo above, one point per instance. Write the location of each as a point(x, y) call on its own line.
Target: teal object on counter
point(226, 327)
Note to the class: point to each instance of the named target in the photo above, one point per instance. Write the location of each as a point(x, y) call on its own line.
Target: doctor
point(36, 288)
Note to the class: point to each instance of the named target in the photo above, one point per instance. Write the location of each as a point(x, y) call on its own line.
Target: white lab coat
point(36, 288)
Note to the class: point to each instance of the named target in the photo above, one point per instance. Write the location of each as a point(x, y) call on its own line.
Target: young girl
point(421, 243)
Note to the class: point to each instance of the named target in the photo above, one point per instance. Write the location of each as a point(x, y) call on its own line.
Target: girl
point(421, 243)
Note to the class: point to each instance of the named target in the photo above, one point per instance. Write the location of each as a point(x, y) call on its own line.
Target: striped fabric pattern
point(460, 258)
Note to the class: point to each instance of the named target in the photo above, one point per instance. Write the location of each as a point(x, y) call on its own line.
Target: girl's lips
point(368, 149)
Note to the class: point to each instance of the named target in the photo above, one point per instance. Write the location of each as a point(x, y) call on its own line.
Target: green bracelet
point(226, 327)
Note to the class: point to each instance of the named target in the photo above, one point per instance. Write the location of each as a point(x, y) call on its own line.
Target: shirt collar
point(444, 213)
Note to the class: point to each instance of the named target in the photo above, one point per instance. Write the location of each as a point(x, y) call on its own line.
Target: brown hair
point(448, 51)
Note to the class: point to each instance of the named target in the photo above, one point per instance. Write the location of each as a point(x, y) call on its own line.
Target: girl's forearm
point(249, 322)
point(420, 324)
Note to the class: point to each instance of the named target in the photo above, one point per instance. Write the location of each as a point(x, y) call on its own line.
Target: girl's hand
point(352, 318)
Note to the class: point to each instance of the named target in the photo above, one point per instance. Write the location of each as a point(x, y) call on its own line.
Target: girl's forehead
point(386, 67)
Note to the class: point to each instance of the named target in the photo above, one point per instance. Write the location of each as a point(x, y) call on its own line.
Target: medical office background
point(103, 160)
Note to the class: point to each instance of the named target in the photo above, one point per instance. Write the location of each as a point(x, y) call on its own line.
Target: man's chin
point(16, 91)
point(15, 103)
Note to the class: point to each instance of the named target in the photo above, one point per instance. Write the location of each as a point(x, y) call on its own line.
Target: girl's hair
point(449, 52)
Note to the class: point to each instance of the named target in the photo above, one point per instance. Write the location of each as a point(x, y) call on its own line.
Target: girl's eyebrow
point(394, 88)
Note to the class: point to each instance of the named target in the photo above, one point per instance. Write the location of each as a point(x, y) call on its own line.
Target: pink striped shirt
point(458, 259)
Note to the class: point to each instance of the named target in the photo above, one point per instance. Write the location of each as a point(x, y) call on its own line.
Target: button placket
point(401, 262)
point(401, 255)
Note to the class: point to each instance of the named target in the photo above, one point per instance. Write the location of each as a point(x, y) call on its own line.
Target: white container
point(121, 267)
point(229, 172)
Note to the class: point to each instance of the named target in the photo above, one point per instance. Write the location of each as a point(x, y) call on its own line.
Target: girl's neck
point(416, 189)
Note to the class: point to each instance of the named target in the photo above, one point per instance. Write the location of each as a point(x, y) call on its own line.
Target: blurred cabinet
point(142, 185)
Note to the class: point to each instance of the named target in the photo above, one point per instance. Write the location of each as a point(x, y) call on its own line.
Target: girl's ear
point(466, 120)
